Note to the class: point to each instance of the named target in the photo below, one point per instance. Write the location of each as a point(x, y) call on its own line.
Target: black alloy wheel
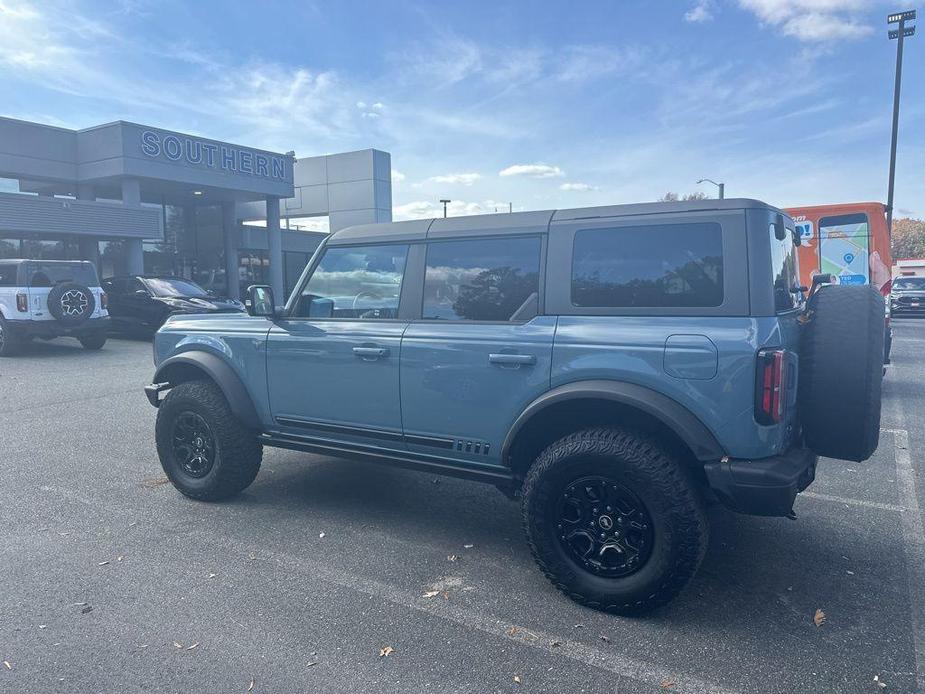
point(604, 527)
point(193, 444)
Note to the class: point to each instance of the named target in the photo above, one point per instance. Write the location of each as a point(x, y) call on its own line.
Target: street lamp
point(721, 186)
point(899, 33)
point(445, 203)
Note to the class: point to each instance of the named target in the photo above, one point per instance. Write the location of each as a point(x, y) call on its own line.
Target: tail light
point(770, 386)
point(22, 302)
point(104, 300)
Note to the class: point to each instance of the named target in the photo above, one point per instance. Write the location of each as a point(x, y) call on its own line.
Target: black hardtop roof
point(521, 222)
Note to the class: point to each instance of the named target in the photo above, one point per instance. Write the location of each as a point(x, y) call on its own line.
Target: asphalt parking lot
point(111, 581)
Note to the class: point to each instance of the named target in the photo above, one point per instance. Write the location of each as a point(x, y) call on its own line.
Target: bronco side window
point(355, 282)
point(483, 279)
point(655, 266)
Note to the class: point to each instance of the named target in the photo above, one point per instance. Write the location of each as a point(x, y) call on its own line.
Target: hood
point(203, 304)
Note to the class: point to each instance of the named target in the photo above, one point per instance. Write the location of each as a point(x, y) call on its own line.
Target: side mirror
point(780, 231)
point(261, 301)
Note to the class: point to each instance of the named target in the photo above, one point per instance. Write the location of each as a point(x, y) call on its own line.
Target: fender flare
point(669, 412)
point(224, 377)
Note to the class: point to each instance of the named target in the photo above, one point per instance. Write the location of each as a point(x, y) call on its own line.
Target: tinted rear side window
point(666, 265)
point(482, 279)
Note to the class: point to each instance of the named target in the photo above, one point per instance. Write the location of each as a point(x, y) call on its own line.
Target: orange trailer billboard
point(849, 240)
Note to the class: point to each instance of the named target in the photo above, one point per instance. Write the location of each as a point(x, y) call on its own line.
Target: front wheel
point(613, 520)
point(205, 451)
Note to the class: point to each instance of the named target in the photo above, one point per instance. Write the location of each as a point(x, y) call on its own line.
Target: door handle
point(371, 352)
point(512, 359)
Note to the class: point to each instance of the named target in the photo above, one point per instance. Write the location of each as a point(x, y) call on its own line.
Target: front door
point(480, 354)
point(333, 361)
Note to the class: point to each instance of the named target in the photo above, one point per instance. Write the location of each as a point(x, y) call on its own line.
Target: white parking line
point(913, 541)
point(853, 502)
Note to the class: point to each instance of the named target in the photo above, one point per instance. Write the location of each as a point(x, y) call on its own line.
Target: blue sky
point(543, 104)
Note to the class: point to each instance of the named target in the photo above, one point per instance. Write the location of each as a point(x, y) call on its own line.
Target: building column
point(88, 246)
point(275, 246)
point(134, 251)
point(230, 232)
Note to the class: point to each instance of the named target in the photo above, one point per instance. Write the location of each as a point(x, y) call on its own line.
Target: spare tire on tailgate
point(841, 369)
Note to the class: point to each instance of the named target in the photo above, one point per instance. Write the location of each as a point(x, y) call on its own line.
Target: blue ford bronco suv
point(615, 368)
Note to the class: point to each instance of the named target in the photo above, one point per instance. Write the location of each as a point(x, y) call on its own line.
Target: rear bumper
point(763, 487)
point(53, 328)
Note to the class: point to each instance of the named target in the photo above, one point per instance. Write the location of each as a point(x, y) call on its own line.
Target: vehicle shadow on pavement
point(758, 589)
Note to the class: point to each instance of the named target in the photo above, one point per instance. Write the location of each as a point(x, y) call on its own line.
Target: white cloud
point(425, 209)
point(532, 171)
point(466, 179)
point(584, 63)
point(578, 187)
point(702, 11)
point(361, 105)
point(813, 20)
point(397, 176)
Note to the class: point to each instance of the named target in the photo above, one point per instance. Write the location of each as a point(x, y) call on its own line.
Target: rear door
point(480, 352)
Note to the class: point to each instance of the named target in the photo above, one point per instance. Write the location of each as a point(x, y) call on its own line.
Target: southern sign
point(212, 155)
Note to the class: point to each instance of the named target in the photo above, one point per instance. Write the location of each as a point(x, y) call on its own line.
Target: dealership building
point(138, 199)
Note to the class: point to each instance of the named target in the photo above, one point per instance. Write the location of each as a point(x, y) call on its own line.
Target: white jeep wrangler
point(50, 298)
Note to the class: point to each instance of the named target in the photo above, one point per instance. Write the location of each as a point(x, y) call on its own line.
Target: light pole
point(721, 186)
point(899, 33)
point(445, 203)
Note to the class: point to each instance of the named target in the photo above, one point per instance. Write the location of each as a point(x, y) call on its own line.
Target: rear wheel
point(204, 450)
point(9, 343)
point(613, 520)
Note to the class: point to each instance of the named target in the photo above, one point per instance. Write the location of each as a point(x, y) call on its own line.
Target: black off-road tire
point(841, 371)
point(10, 344)
point(237, 452)
point(673, 502)
point(93, 341)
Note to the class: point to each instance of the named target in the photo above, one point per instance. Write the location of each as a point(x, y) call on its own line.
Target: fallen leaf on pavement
point(387, 650)
point(517, 679)
point(431, 593)
point(103, 563)
point(879, 682)
point(321, 535)
point(178, 644)
point(189, 648)
point(819, 618)
point(120, 558)
point(250, 686)
point(605, 639)
point(312, 663)
point(6, 664)
point(212, 575)
point(666, 683)
point(468, 546)
point(511, 631)
point(452, 557)
point(156, 482)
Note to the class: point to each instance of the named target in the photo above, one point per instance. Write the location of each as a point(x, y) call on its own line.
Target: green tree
point(673, 197)
point(908, 238)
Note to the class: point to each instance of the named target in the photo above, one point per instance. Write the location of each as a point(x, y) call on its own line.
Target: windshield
point(50, 274)
point(174, 287)
point(909, 284)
